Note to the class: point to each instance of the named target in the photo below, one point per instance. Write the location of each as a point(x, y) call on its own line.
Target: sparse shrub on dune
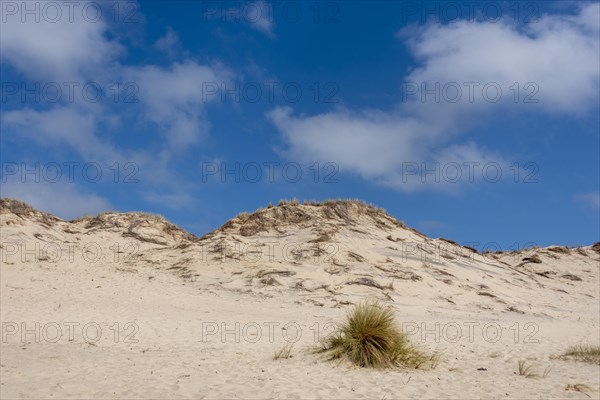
point(370, 338)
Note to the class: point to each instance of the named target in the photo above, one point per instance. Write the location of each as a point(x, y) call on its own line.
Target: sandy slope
point(146, 310)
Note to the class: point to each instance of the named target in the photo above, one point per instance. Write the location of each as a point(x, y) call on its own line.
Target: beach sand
point(129, 306)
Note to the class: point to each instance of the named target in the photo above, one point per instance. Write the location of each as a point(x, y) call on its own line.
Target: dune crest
point(338, 250)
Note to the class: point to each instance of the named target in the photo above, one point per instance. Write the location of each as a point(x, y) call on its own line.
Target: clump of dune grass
point(284, 353)
point(284, 202)
point(526, 370)
point(585, 353)
point(529, 371)
point(243, 215)
point(311, 203)
point(370, 338)
point(579, 387)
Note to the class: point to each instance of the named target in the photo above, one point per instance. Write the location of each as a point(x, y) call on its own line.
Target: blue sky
point(475, 123)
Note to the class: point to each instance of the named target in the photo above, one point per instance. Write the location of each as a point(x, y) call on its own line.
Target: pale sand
point(175, 289)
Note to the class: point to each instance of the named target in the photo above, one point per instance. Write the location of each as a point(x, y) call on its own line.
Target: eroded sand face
point(132, 307)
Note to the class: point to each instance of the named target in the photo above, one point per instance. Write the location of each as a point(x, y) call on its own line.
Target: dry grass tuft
point(285, 202)
point(311, 203)
point(533, 259)
point(471, 249)
point(585, 353)
point(24, 210)
point(528, 370)
point(284, 353)
point(370, 338)
point(243, 216)
point(370, 282)
point(579, 387)
point(560, 250)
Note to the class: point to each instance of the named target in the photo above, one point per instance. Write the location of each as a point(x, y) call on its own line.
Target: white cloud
point(386, 149)
point(63, 199)
point(348, 139)
point(170, 43)
point(64, 50)
point(60, 126)
point(260, 17)
point(258, 14)
point(170, 98)
point(68, 128)
point(174, 98)
point(560, 54)
point(78, 50)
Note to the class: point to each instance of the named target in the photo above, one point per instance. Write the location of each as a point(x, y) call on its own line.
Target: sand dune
point(128, 305)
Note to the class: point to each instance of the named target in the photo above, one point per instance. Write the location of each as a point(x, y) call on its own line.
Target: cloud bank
point(554, 64)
